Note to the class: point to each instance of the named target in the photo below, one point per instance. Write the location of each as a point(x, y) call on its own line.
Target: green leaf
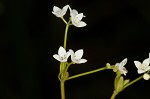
point(126, 82)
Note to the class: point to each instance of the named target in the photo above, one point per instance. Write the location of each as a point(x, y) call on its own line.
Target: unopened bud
point(146, 76)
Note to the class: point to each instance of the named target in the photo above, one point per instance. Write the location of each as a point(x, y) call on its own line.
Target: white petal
point(123, 62)
point(146, 61)
point(61, 52)
point(72, 53)
point(56, 9)
point(67, 55)
point(147, 68)
point(64, 10)
point(73, 12)
point(82, 61)
point(124, 71)
point(65, 7)
point(140, 71)
point(75, 60)
point(81, 24)
point(79, 16)
point(79, 54)
point(56, 57)
point(137, 64)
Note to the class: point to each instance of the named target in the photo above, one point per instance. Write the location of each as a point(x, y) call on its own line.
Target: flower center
point(143, 66)
point(63, 57)
point(76, 20)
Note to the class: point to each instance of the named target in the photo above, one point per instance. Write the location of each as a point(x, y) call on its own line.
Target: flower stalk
point(66, 33)
point(86, 73)
point(62, 89)
point(113, 95)
point(137, 79)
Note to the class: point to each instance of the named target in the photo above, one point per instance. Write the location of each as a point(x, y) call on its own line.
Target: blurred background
point(30, 34)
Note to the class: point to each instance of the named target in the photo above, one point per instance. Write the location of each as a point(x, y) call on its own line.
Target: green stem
point(64, 20)
point(62, 90)
point(133, 81)
point(66, 32)
point(86, 73)
point(113, 95)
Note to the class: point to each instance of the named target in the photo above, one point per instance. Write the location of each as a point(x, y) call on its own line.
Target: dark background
point(30, 34)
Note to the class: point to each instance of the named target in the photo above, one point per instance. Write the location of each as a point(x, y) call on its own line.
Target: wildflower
point(76, 57)
point(76, 18)
point(60, 12)
point(146, 76)
point(120, 67)
point(142, 67)
point(62, 55)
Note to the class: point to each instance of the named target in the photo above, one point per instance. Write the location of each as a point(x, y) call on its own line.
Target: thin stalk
point(62, 89)
point(65, 36)
point(133, 81)
point(86, 73)
point(64, 20)
point(113, 95)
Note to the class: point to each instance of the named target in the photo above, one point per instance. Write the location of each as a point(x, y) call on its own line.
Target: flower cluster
point(76, 57)
point(76, 18)
point(141, 67)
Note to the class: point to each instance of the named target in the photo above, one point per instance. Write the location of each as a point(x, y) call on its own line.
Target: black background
point(30, 34)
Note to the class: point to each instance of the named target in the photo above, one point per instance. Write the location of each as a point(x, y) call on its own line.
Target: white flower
point(62, 55)
point(76, 57)
point(76, 18)
point(120, 67)
point(146, 76)
point(60, 12)
point(142, 67)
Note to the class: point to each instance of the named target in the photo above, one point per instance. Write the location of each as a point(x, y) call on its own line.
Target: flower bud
point(146, 76)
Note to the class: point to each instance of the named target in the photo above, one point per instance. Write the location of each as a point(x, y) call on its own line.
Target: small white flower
point(142, 67)
point(76, 18)
point(120, 67)
point(146, 76)
point(62, 55)
point(76, 57)
point(60, 12)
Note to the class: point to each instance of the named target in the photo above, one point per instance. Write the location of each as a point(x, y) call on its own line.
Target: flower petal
point(81, 24)
point(79, 16)
point(56, 57)
point(140, 71)
point(137, 64)
point(146, 61)
point(64, 10)
point(147, 68)
point(68, 54)
point(79, 54)
point(82, 61)
point(61, 51)
point(56, 9)
point(72, 53)
point(123, 62)
point(73, 12)
point(65, 7)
